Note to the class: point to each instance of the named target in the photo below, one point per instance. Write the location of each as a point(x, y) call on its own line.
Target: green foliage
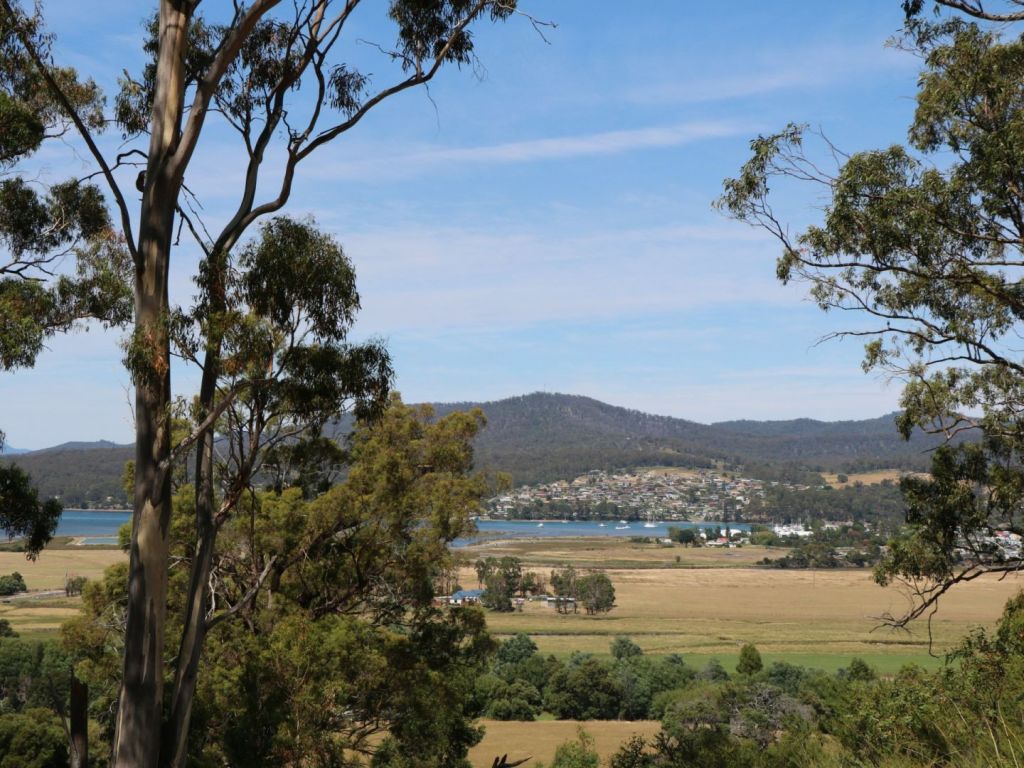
point(356, 576)
point(516, 649)
point(12, 584)
point(686, 536)
point(596, 593)
point(926, 241)
point(576, 754)
point(32, 739)
point(624, 648)
point(41, 226)
point(21, 512)
point(496, 596)
point(517, 700)
point(583, 690)
point(73, 585)
point(750, 660)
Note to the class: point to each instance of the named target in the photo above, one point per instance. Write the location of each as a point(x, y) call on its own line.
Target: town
point(655, 494)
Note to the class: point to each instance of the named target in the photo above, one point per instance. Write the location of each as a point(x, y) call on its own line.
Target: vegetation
point(12, 584)
point(925, 241)
point(541, 437)
point(270, 341)
point(21, 512)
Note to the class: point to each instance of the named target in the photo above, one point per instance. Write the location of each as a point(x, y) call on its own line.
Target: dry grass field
point(795, 615)
point(539, 739)
point(616, 553)
point(867, 478)
point(34, 617)
point(50, 568)
point(38, 618)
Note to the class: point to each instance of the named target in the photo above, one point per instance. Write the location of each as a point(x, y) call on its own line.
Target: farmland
point(700, 609)
point(539, 739)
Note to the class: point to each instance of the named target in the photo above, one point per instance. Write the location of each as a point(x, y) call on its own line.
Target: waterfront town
point(657, 494)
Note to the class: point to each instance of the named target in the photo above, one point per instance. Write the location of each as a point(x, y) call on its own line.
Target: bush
point(73, 585)
point(750, 660)
point(12, 584)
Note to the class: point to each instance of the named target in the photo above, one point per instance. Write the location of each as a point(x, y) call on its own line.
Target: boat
point(650, 525)
point(540, 525)
point(621, 527)
point(600, 525)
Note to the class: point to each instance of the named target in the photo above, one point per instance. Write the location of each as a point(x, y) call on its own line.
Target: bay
point(521, 529)
point(98, 527)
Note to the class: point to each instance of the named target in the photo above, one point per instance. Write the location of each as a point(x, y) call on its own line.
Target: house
point(466, 597)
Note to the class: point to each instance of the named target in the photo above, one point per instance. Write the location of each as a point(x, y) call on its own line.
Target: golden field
point(867, 478)
point(617, 553)
point(800, 614)
point(50, 568)
point(708, 604)
point(539, 739)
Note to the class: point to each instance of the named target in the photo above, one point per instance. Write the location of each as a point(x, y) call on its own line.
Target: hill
point(542, 437)
point(80, 474)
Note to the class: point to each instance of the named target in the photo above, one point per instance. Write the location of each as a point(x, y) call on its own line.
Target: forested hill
point(542, 437)
point(79, 473)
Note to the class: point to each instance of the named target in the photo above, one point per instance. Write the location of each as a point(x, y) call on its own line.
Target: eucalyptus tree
point(40, 228)
point(276, 74)
point(925, 244)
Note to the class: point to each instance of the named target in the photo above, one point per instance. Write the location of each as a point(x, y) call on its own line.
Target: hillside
point(78, 473)
point(542, 437)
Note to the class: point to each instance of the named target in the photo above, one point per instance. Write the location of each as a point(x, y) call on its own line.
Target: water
point(97, 527)
point(520, 529)
point(101, 527)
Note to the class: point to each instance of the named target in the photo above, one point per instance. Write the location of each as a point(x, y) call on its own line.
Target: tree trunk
point(140, 708)
point(194, 632)
point(79, 716)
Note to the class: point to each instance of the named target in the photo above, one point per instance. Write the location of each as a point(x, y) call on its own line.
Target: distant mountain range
point(543, 437)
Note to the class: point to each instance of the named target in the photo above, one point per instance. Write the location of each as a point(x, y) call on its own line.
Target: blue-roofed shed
point(467, 596)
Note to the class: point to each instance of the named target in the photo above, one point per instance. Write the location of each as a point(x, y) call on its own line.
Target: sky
point(542, 221)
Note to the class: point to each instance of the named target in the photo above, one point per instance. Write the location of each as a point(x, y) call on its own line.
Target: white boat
point(621, 527)
point(540, 525)
point(600, 525)
point(650, 525)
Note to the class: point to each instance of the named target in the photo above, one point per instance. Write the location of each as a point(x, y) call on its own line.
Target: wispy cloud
point(531, 150)
point(812, 68)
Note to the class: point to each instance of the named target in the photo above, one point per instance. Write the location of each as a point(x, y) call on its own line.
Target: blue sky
point(545, 222)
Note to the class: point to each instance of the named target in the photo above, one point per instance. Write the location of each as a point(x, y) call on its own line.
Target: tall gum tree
point(245, 70)
point(924, 243)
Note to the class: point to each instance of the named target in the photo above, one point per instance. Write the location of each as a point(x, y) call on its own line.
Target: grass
point(49, 570)
point(617, 553)
point(39, 619)
point(867, 478)
point(787, 614)
point(540, 739)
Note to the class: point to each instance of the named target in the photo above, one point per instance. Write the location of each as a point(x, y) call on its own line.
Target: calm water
point(101, 527)
point(517, 529)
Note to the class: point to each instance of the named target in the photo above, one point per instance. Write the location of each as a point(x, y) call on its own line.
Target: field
point(617, 553)
point(711, 601)
point(50, 568)
point(867, 478)
point(37, 617)
point(539, 739)
point(704, 606)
